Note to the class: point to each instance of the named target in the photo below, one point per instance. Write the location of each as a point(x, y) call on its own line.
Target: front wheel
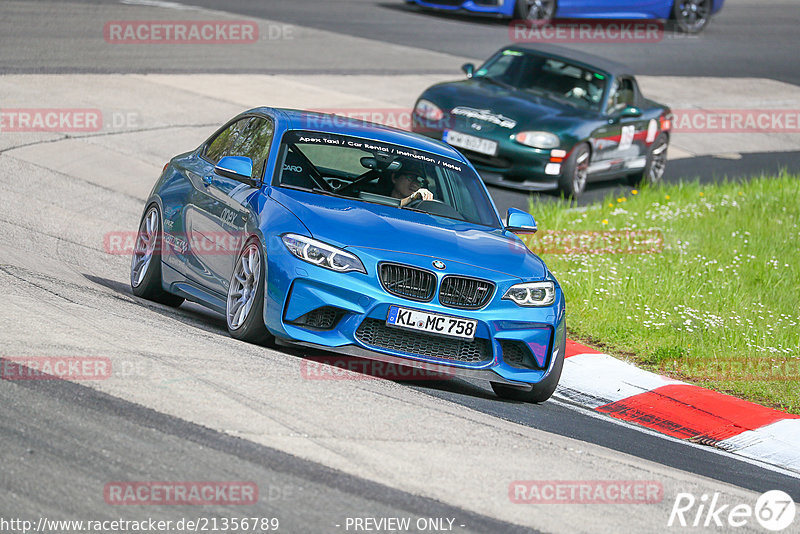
point(535, 10)
point(692, 16)
point(146, 261)
point(540, 391)
point(575, 173)
point(245, 302)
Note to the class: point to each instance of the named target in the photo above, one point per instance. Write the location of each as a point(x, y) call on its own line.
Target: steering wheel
point(417, 201)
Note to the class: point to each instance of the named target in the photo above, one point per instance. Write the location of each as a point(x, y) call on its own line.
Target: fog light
point(552, 169)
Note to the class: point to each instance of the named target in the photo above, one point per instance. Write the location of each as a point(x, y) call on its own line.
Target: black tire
point(575, 173)
point(251, 327)
point(541, 391)
point(692, 16)
point(656, 163)
point(146, 260)
point(535, 10)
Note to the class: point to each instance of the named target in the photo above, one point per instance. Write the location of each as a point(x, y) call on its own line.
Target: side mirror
point(468, 69)
point(520, 222)
point(630, 111)
point(237, 168)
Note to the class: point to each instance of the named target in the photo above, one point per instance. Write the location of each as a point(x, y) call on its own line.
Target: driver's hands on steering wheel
point(419, 194)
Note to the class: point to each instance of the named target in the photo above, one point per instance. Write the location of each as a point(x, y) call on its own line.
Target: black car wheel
point(656, 163)
point(541, 391)
point(692, 16)
point(146, 261)
point(576, 172)
point(541, 10)
point(245, 301)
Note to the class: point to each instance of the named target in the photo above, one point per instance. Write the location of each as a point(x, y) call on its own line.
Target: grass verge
point(711, 294)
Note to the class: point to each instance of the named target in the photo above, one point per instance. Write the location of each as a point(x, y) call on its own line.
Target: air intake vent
point(376, 334)
point(408, 282)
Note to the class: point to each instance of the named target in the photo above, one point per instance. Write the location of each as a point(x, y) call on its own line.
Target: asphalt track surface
point(62, 440)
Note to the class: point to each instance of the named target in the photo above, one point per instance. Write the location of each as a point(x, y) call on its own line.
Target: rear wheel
point(656, 163)
point(692, 16)
point(536, 10)
point(540, 391)
point(245, 302)
point(146, 261)
point(576, 172)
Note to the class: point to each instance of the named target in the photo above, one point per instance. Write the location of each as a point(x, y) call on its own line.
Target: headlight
point(428, 110)
point(532, 294)
point(322, 254)
point(543, 140)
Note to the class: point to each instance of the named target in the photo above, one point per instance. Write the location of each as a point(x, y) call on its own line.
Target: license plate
point(470, 142)
point(432, 323)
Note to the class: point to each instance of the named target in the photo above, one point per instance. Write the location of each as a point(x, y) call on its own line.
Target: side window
point(622, 95)
point(223, 144)
point(251, 137)
point(255, 143)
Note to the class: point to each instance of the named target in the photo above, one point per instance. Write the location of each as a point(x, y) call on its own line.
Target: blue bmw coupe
point(320, 231)
point(691, 15)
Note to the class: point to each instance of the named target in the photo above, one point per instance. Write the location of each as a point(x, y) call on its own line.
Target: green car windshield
point(368, 170)
point(548, 77)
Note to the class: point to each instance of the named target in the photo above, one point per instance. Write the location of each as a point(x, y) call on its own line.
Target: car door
point(217, 217)
point(619, 145)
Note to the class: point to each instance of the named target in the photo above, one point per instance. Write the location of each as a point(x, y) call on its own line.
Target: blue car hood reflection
point(354, 224)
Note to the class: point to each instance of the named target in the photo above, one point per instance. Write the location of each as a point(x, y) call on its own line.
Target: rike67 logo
point(774, 510)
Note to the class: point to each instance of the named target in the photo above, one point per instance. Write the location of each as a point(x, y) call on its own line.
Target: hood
point(514, 110)
point(360, 225)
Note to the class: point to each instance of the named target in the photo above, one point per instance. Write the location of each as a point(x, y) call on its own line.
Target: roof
point(337, 124)
point(575, 56)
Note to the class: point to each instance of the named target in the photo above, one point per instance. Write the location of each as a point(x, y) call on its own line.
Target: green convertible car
point(538, 117)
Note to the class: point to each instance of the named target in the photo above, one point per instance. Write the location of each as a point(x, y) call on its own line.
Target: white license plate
point(470, 142)
point(433, 323)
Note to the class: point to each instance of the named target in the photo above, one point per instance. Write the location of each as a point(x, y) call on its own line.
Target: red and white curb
point(618, 389)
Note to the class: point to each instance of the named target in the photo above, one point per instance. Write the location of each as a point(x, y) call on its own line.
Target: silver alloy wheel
point(581, 172)
point(540, 9)
point(146, 242)
point(243, 287)
point(694, 14)
point(658, 163)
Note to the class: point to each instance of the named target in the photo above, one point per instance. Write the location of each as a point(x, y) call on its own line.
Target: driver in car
point(409, 187)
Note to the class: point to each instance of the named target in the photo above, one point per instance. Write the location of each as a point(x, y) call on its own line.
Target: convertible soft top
point(575, 56)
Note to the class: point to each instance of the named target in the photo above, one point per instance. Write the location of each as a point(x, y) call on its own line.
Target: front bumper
point(514, 166)
point(330, 310)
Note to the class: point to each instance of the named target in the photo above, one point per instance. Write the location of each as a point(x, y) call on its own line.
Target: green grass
point(718, 305)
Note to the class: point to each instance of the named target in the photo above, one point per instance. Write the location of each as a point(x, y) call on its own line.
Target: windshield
point(381, 173)
point(547, 77)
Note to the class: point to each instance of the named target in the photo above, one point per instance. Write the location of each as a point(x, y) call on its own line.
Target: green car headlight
point(322, 254)
point(543, 140)
point(532, 294)
point(428, 110)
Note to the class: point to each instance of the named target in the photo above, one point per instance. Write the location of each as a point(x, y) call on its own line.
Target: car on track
point(284, 222)
point(691, 16)
point(539, 117)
